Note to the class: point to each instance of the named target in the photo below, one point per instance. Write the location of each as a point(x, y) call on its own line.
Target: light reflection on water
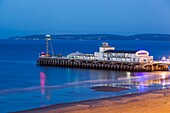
point(42, 82)
point(140, 81)
point(78, 86)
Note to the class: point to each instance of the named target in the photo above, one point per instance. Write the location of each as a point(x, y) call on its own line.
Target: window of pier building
point(133, 55)
point(113, 55)
point(123, 55)
point(127, 55)
point(122, 59)
point(128, 59)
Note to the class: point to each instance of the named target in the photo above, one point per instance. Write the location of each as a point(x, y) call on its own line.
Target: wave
point(66, 85)
point(120, 81)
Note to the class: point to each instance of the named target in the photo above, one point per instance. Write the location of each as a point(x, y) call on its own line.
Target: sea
point(24, 86)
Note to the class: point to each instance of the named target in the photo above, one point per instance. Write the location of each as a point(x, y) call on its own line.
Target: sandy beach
point(151, 102)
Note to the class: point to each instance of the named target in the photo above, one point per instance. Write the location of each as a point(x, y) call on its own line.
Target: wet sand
point(108, 89)
point(152, 102)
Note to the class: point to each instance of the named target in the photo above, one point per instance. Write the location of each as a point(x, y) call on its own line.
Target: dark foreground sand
point(152, 102)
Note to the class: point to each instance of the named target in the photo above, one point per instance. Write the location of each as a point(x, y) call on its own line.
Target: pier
point(97, 64)
point(107, 58)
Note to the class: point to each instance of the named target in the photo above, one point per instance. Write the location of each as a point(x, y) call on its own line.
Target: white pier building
point(111, 54)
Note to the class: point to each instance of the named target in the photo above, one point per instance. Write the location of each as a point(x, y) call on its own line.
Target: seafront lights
point(163, 58)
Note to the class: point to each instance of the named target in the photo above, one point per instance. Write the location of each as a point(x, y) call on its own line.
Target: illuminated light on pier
point(163, 58)
point(48, 36)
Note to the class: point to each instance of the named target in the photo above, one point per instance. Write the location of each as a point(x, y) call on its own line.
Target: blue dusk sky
point(125, 17)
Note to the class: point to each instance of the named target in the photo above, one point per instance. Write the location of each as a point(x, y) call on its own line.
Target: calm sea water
point(23, 85)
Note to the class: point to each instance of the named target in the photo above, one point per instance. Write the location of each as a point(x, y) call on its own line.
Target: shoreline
point(97, 105)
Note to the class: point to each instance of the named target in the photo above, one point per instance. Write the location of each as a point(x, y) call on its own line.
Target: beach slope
point(152, 102)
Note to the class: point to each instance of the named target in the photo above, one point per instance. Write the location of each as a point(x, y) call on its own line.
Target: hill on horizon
point(155, 37)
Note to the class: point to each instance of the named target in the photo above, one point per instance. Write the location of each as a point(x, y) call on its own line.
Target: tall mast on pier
point(48, 37)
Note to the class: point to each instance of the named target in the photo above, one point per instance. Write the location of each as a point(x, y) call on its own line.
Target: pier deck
point(101, 64)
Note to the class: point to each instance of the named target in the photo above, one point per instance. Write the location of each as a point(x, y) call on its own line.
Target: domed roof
point(75, 54)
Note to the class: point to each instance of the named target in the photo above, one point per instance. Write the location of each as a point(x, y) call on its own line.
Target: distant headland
point(155, 37)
